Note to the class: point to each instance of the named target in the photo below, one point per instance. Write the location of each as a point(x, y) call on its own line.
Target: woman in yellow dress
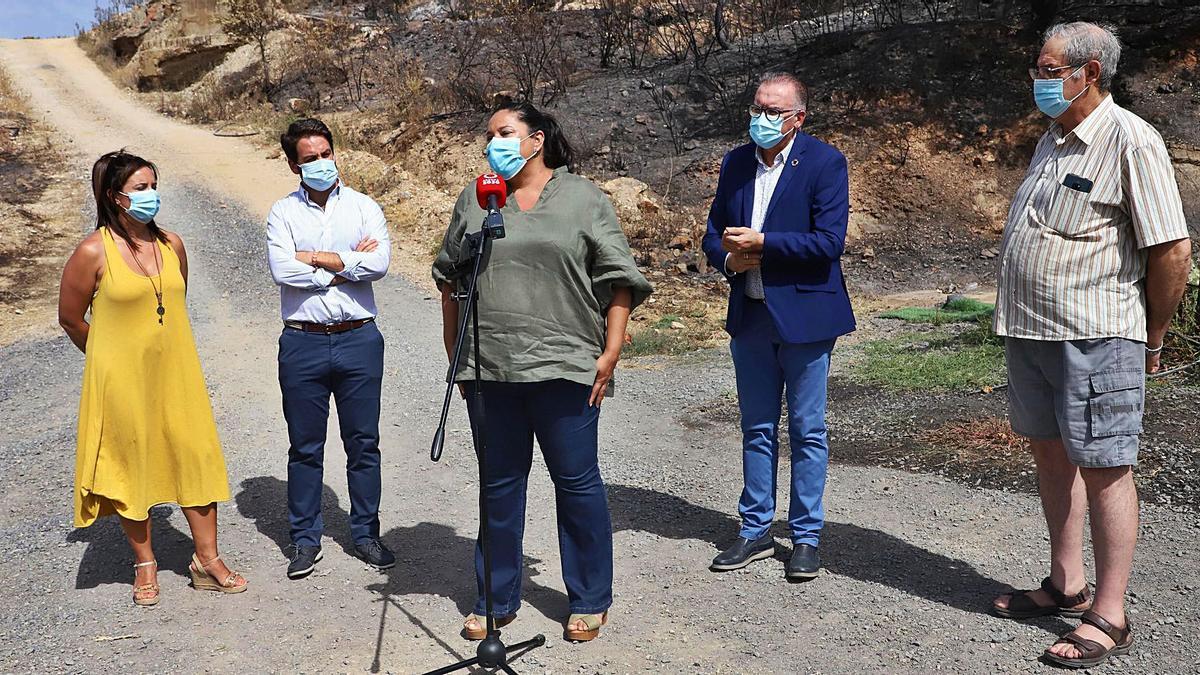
point(146, 429)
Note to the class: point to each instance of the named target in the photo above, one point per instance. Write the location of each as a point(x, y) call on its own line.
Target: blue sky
point(44, 18)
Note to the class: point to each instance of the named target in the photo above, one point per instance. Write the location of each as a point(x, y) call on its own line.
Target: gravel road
point(911, 561)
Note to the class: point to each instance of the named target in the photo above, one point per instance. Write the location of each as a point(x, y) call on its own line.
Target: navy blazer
point(803, 237)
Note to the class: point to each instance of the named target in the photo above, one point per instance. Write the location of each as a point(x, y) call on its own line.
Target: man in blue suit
point(776, 229)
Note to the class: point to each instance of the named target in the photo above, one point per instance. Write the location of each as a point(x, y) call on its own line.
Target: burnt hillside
point(929, 99)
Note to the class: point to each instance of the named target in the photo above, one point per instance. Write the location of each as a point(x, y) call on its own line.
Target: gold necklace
point(157, 291)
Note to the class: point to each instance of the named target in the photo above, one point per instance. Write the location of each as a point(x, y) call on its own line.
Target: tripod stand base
point(492, 653)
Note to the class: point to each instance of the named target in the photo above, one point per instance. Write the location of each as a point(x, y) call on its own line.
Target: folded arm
point(286, 269)
point(369, 262)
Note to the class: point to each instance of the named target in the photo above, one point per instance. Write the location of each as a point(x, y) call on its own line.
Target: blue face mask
point(143, 205)
point(319, 174)
point(765, 133)
point(1048, 95)
point(504, 156)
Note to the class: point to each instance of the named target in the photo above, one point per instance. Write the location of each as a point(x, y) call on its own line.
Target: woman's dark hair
point(109, 174)
point(556, 151)
point(302, 129)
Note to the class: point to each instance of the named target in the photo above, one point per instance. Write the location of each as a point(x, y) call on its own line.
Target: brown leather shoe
point(1022, 606)
point(1092, 653)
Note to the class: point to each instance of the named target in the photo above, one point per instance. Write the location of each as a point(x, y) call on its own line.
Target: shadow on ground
point(431, 559)
point(848, 550)
point(435, 560)
point(109, 560)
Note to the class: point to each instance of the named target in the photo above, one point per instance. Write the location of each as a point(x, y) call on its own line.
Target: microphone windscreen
point(490, 185)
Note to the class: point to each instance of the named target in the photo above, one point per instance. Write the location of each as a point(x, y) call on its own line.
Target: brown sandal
point(1021, 606)
point(481, 632)
point(1092, 653)
point(145, 595)
point(203, 581)
point(592, 623)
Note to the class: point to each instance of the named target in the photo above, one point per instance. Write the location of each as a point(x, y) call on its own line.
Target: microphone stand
point(491, 652)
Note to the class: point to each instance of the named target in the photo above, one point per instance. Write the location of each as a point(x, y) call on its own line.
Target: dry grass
point(977, 442)
point(38, 217)
point(9, 95)
point(1183, 340)
point(97, 44)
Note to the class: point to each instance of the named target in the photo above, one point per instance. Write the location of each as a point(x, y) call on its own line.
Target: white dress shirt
point(296, 223)
point(765, 179)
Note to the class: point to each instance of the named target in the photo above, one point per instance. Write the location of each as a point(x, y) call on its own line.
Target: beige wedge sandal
point(592, 623)
point(145, 595)
point(480, 632)
point(203, 581)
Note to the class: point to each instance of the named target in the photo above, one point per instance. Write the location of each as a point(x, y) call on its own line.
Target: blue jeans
point(558, 415)
point(765, 368)
point(349, 366)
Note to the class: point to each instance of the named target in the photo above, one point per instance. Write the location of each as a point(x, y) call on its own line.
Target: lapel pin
point(795, 162)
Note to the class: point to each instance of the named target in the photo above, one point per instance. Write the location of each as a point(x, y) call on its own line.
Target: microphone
point(491, 193)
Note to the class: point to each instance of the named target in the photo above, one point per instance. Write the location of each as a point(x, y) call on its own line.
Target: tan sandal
point(145, 595)
point(203, 581)
point(481, 632)
point(592, 623)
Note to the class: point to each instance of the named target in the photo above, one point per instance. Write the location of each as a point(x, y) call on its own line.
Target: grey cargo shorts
point(1089, 393)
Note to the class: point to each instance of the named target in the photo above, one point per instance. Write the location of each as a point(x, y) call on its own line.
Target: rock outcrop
point(632, 199)
point(168, 44)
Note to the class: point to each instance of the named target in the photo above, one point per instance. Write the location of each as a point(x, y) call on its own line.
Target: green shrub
point(954, 311)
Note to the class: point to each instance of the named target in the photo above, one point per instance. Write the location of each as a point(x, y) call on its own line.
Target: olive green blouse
point(548, 284)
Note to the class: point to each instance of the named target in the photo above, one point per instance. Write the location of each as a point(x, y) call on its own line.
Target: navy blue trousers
point(566, 427)
point(348, 366)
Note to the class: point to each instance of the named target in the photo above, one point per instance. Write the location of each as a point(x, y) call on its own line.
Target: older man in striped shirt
point(1094, 261)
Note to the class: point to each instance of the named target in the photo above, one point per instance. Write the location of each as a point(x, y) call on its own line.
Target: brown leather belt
point(328, 328)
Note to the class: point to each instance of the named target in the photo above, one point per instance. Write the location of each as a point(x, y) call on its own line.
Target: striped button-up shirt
point(1072, 263)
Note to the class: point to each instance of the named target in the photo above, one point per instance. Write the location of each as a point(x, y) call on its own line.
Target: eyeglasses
point(772, 114)
point(1044, 73)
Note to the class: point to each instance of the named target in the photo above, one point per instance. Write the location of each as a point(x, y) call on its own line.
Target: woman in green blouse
point(554, 301)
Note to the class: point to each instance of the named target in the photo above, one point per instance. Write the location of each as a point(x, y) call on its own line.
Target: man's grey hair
point(1089, 42)
point(800, 88)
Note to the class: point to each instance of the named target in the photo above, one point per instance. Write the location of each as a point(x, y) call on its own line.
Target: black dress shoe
point(375, 554)
point(805, 562)
point(743, 552)
point(304, 561)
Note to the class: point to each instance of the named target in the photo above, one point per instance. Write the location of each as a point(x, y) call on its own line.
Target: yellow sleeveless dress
point(146, 430)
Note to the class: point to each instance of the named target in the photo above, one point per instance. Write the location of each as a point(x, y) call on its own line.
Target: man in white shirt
point(326, 243)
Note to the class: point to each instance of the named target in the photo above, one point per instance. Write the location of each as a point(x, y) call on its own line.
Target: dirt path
point(97, 116)
point(910, 560)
